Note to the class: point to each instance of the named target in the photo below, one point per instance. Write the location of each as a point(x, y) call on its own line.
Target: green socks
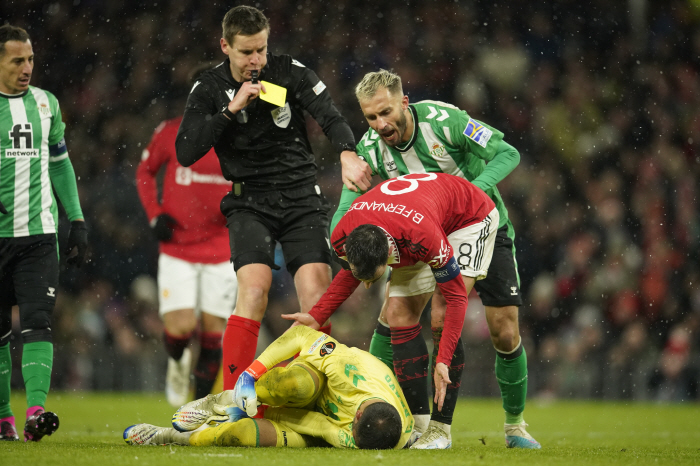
point(380, 346)
point(511, 373)
point(5, 375)
point(37, 361)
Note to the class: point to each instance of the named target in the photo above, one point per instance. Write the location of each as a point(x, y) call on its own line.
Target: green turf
point(572, 433)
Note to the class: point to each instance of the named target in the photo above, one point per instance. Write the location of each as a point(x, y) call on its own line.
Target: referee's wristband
point(228, 114)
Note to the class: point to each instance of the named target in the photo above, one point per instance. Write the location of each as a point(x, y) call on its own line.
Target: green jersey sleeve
point(347, 197)
point(58, 127)
point(473, 136)
point(367, 150)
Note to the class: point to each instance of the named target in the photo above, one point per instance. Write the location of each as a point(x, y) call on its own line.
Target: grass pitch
point(571, 433)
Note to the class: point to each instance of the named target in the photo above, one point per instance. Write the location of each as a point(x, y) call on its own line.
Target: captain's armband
point(447, 272)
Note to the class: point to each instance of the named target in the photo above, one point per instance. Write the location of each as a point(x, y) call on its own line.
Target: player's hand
point(2, 208)
point(302, 318)
point(442, 379)
point(77, 238)
point(163, 226)
point(357, 173)
point(245, 95)
point(234, 413)
point(244, 394)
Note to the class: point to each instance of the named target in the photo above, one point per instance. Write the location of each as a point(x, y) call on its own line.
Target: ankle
point(33, 410)
point(441, 425)
point(514, 418)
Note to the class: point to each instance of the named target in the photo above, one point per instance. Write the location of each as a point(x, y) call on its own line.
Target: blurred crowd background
point(601, 98)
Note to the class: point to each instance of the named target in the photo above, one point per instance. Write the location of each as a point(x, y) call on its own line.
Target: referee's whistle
point(242, 116)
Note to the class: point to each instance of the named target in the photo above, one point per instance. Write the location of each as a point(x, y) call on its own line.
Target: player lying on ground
point(330, 394)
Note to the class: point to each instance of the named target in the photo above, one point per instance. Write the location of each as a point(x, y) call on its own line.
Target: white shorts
point(209, 288)
point(473, 249)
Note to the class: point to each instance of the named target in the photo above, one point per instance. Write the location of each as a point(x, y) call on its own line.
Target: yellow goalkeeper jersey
point(353, 377)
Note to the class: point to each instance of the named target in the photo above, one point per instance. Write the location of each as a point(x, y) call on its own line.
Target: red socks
point(175, 345)
point(240, 343)
point(208, 363)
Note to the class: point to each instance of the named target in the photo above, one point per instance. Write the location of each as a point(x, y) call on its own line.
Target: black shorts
point(28, 273)
point(296, 218)
point(501, 287)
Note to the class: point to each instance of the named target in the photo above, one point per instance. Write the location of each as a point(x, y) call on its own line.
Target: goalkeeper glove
point(163, 226)
point(244, 392)
point(77, 238)
point(235, 413)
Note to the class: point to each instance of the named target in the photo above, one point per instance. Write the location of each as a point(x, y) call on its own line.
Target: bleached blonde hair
point(376, 80)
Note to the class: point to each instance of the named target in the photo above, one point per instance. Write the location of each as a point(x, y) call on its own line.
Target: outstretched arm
point(456, 292)
point(506, 159)
point(347, 197)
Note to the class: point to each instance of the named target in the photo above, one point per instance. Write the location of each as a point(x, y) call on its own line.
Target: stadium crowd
point(602, 99)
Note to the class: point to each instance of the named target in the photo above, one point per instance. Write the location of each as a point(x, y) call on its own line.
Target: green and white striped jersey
point(445, 140)
point(31, 137)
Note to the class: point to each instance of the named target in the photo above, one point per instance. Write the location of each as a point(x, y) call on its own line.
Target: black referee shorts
point(501, 287)
point(296, 218)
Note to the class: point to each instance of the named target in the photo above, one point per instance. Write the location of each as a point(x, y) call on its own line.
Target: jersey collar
point(414, 136)
point(394, 256)
point(14, 96)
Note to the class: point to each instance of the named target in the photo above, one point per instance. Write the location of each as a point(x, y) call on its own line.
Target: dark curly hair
point(379, 427)
point(366, 248)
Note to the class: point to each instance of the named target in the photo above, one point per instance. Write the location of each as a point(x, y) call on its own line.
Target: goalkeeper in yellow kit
point(330, 395)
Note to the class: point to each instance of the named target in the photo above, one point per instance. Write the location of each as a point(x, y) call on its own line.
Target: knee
point(285, 386)
point(241, 433)
point(253, 293)
point(35, 321)
point(505, 337)
point(400, 314)
point(180, 323)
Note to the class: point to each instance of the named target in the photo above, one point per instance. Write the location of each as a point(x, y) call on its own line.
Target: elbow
point(512, 152)
point(516, 156)
point(183, 157)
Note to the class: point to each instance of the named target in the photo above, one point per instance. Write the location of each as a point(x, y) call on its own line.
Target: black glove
point(163, 226)
point(2, 208)
point(77, 238)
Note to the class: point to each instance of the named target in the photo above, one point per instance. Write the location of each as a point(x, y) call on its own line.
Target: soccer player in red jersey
point(196, 282)
point(429, 228)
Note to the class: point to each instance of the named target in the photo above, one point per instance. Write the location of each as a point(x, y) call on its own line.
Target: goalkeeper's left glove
point(244, 392)
point(235, 413)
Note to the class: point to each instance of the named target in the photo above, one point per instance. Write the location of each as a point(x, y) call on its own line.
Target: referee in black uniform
point(264, 151)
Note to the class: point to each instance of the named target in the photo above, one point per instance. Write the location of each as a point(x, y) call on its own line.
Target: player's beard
point(400, 129)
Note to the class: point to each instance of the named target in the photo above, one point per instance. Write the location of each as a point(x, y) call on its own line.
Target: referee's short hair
point(8, 33)
point(244, 20)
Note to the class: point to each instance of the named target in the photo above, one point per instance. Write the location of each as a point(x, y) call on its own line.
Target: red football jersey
point(418, 212)
point(191, 195)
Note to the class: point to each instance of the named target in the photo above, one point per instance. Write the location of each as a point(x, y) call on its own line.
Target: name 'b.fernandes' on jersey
point(33, 158)
point(417, 212)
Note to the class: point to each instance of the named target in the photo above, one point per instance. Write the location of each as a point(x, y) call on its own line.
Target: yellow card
point(276, 95)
